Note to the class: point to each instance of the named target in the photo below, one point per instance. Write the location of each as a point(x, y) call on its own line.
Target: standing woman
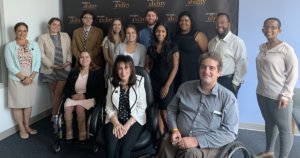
point(162, 61)
point(115, 36)
point(56, 60)
point(84, 88)
point(23, 61)
point(191, 44)
point(277, 74)
point(125, 108)
point(132, 48)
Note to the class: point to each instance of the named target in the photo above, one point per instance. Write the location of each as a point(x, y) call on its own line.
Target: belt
point(227, 76)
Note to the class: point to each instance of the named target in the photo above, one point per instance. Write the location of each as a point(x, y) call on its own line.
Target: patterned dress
point(19, 95)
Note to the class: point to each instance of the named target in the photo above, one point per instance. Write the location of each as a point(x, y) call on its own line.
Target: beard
point(222, 34)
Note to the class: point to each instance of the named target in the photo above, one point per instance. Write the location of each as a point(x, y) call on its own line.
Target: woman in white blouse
point(115, 36)
point(125, 108)
point(277, 74)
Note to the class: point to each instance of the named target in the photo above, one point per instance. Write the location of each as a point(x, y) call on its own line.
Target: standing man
point(146, 33)
point(88, 38)
point(233, 52)
point(203, 115)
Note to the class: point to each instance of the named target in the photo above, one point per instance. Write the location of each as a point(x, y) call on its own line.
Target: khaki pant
point(167, 150)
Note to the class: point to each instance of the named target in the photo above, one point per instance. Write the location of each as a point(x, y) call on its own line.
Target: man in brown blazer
point(88, 38)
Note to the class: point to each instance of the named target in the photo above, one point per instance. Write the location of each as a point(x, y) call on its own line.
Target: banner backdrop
point(132, 12)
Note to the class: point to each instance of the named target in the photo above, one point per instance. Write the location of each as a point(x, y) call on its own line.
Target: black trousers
point(121, 148)
point(226, 81)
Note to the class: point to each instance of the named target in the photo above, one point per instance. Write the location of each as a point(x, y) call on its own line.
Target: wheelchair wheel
point(234, 150)
point(95, 148)
point(57, 146)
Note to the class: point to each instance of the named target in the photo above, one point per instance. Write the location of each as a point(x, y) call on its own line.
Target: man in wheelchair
point(203, 115)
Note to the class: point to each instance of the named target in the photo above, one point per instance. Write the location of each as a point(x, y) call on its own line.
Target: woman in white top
point(125, 108)
point(115, 36)
point(277, 74)
point(132, 48)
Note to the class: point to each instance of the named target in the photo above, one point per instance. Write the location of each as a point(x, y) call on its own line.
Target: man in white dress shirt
point(233, 52)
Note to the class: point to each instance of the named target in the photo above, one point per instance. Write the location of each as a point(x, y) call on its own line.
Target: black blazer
point(95, 87)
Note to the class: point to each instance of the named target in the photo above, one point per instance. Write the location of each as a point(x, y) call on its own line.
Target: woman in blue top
point(162, 62)
point(23, 61)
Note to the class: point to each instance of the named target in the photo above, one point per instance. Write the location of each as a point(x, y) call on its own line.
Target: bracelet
point(23, 79)
point(174, 130)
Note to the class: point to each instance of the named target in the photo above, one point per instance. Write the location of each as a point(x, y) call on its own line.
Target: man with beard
point(233, 52)
point(203, 115)
point(146, 33)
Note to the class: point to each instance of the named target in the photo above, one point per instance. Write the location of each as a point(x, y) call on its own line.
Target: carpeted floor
point(41, 145)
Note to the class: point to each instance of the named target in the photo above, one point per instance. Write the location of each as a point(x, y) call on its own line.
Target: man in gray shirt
point(202, 116)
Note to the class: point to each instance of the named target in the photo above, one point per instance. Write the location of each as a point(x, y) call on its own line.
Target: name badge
point(217, 112)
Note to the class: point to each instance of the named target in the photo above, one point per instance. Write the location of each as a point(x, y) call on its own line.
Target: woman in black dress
point(162, 62)
point(191, 44)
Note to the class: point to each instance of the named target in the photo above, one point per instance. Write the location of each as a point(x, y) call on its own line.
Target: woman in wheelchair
point(125, 108)
point(84, 87)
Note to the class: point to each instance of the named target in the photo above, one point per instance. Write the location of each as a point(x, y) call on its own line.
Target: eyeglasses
point(270, 27)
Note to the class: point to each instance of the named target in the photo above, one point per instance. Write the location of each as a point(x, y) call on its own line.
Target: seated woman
point(125, 108)
point(85, 85)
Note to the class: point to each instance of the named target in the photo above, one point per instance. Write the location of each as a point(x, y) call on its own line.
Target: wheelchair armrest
point(97, 118)
point(152, 112)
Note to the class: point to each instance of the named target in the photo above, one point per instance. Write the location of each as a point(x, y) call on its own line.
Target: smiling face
point(185, 23)
point(124, 72)
point(271, 29)
point(151, 18)
point(209, 72)
point(160, 33)
point(117, 26)
point(54, 27)
point(21, 32)
point(222, 26)
point(85, 59)
point(131, 35)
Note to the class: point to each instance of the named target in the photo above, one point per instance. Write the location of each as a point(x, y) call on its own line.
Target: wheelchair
point(149, 134)
point(59, 127)
point(234, 149)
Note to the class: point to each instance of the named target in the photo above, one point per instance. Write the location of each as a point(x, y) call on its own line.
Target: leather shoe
point(33, 132)
point(24, 136)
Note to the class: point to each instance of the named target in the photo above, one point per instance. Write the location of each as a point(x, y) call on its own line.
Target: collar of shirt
point(214, 91)
point(226, 38)
point(87, 28)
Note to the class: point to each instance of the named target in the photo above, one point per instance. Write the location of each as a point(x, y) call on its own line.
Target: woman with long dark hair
point(162, 62)
point(125, 108)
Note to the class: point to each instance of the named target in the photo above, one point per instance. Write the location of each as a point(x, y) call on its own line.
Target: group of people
point(195, 82)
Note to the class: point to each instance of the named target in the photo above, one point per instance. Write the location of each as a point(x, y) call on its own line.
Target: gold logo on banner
point(172, 18)
point(104, 19)
point(120, 4)
point(73, 19)
point(156, 3)
point(89, 6)
point(211, 17)
point(136, 19)
point(195, 2)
